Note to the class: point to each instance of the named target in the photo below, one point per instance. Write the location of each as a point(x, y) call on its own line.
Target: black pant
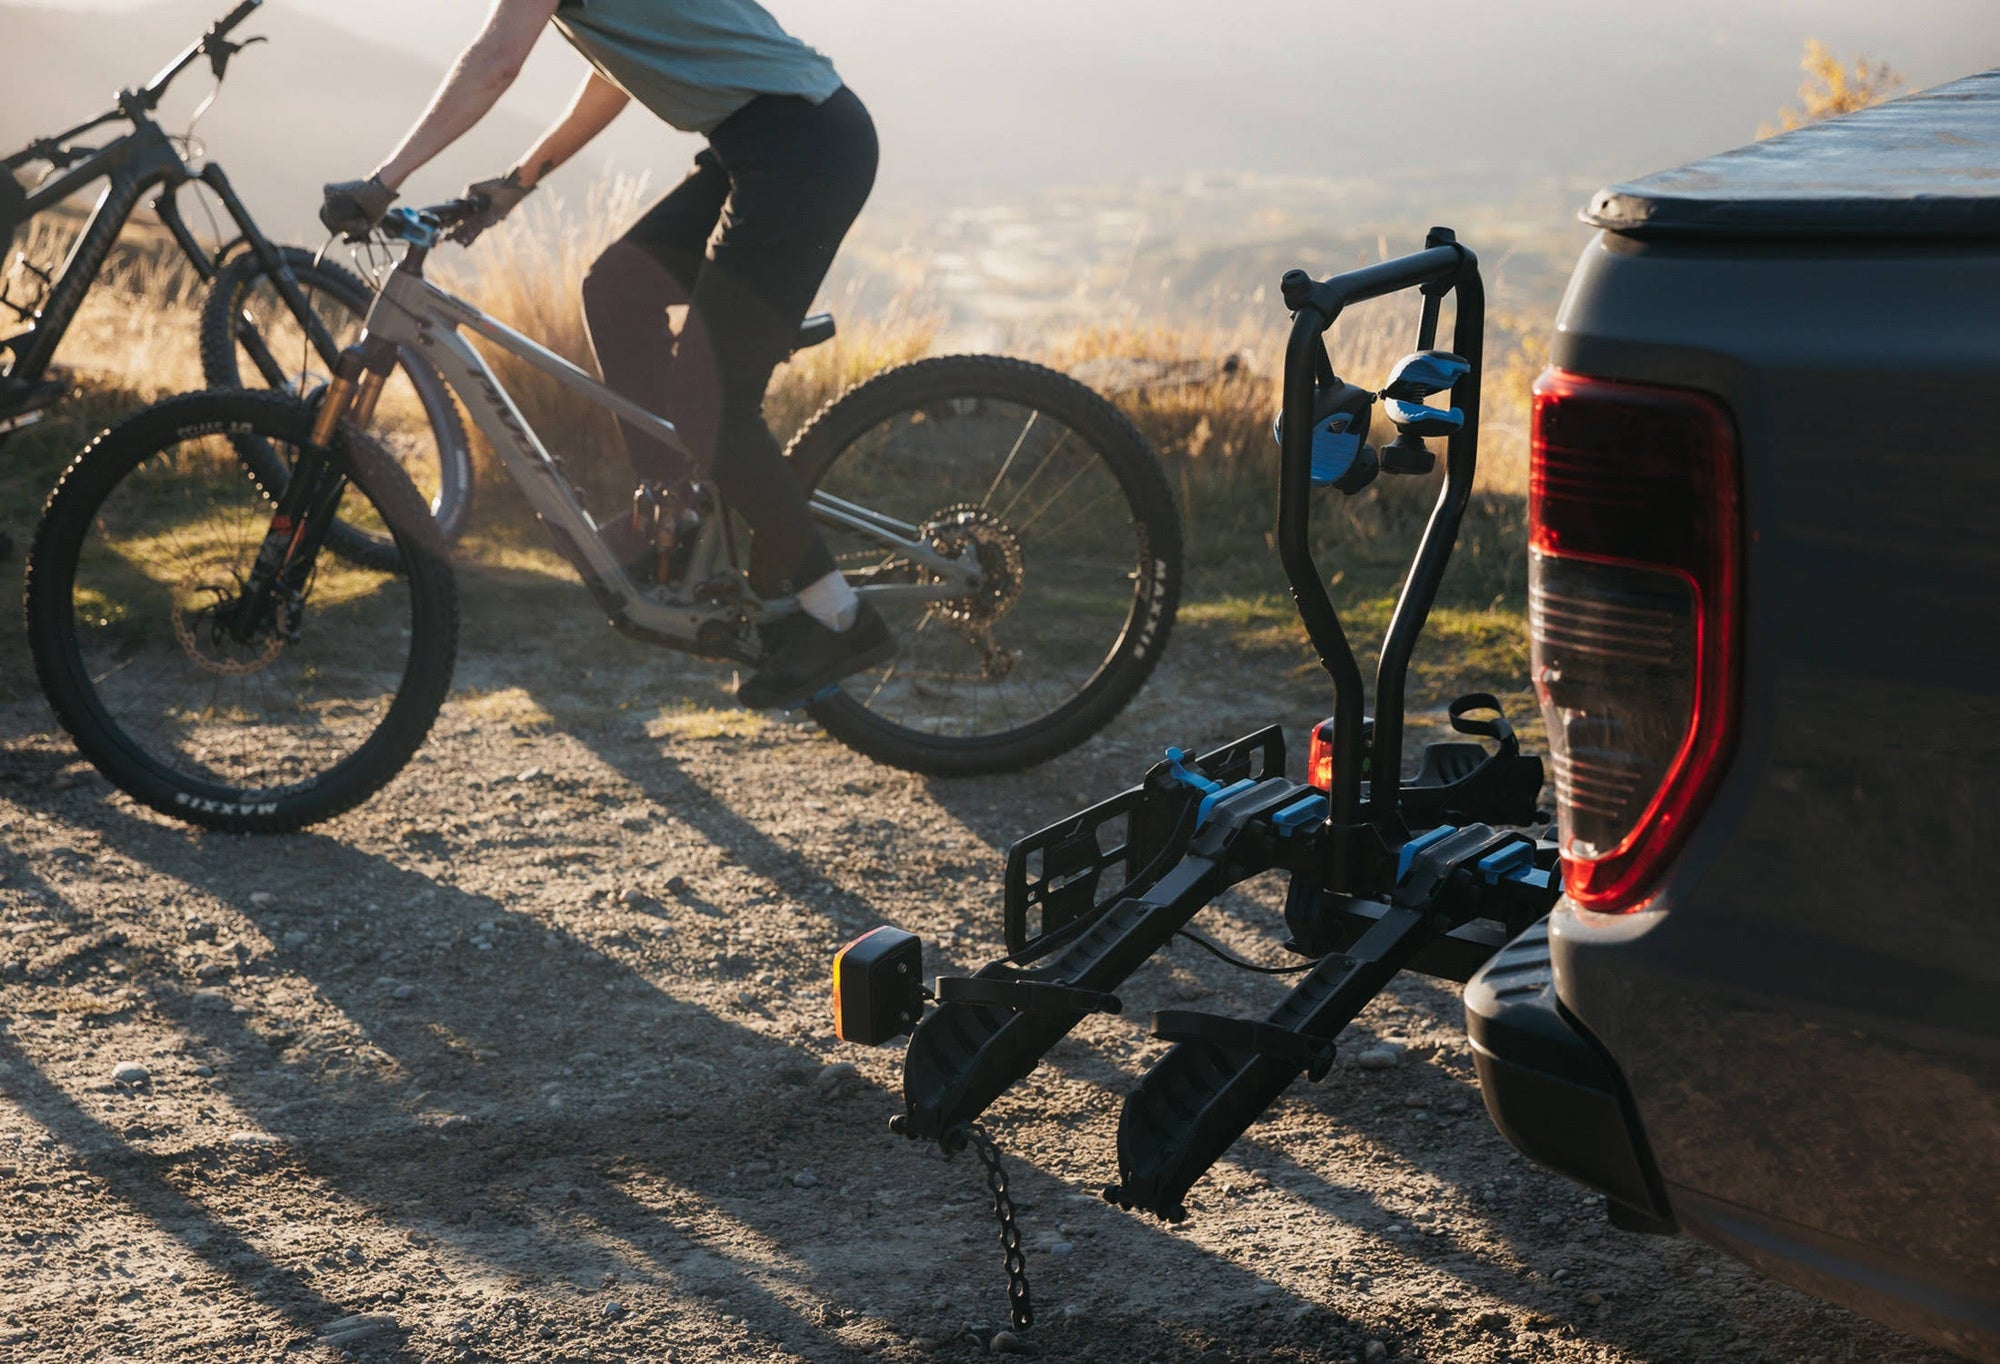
point(745, 241)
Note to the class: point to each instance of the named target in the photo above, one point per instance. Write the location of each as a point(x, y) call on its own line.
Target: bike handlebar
point(422, 228)
point(52, 150)
point(452, 212)
point(132, 104)
point(151, 93)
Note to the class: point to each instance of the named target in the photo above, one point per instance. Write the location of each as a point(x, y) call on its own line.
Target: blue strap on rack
point(1177, 761)
point(1213, 792)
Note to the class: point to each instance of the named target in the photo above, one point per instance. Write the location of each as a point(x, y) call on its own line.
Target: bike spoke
point(1020, 647)
point(1008, 463)
point(1022, 491)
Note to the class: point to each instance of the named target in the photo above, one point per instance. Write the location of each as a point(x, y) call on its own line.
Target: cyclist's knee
point(626, 279)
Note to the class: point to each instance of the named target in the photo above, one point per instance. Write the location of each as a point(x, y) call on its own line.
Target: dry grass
point(1203, 396)
point(1832, 87)
point(137, 328)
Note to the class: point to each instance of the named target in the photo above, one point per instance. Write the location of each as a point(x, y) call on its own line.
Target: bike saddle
point(816, 328)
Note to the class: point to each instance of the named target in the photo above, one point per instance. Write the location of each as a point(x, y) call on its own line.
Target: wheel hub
point(995, 548)
point(201, 612)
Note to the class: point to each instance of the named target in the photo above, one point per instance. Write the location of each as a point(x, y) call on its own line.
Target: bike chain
point(1021, 1309)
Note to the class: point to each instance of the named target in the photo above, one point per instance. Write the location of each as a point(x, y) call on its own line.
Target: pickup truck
point(1765, 605)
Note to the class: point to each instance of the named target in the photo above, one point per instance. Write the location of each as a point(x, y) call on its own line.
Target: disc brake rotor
point(197, 604)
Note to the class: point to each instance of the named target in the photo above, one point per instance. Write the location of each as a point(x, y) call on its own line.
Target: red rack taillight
point(1634, 587)
point(1319, 756)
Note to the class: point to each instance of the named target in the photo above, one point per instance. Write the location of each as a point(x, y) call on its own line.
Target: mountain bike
point(275, 315)
point(213, 661)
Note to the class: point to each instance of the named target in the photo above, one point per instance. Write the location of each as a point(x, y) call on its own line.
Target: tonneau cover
point(1926, 165)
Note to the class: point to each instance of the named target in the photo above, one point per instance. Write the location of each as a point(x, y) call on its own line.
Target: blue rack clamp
point(1425, 373)
point(1407, 858)
point(1514, 857)
point(1304, 813)
point(1515, 862)
point(1335, 447)
point(1215, 798)
point(1334, 450)
point(1427, 421)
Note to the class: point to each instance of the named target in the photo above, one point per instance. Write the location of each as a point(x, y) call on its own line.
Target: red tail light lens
point(1634, 589)
point(1319, 757)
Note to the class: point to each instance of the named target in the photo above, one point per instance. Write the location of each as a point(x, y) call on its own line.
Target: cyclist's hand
point(352, 207)
point(497, 198)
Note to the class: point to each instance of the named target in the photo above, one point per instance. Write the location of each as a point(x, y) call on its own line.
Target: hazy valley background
point(1046, 163)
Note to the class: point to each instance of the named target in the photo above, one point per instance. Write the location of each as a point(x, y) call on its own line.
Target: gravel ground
point(529, 1059)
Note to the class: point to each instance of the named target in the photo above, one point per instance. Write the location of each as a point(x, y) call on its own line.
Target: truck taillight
point(1634, 589)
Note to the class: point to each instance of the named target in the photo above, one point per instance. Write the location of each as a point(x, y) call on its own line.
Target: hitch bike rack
point(1434, 876)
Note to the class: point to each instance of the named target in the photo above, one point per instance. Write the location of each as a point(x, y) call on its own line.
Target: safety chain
point(1010, 1235)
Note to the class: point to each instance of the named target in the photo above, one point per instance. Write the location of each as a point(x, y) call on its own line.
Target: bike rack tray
point(1079, 865)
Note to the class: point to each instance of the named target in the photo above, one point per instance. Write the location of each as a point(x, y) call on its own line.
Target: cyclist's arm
point(475, 83)
point(590, 113)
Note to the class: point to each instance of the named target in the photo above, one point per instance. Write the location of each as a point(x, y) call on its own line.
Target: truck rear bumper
point(1552, 1090)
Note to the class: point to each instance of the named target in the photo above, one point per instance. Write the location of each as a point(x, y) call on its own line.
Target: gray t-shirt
point(694, 62)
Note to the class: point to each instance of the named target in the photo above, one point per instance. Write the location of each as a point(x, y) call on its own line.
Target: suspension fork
point(306, 509)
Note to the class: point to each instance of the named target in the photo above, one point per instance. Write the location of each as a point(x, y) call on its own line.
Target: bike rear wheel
point(140, 558)
point(1078, 540)
point(250, 339)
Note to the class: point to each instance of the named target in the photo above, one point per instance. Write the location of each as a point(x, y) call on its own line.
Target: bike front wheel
point(251, 339)
point(1063, 505)
point(135, 611)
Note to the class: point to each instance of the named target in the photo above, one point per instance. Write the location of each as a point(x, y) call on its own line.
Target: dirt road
point(529, 1059)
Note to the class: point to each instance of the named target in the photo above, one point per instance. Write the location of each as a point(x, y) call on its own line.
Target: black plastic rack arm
point(1444, 266)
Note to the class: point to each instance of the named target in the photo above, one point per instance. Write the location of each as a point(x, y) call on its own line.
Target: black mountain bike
point(276, 317)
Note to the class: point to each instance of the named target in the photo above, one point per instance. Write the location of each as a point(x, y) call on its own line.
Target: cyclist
point(743, 241)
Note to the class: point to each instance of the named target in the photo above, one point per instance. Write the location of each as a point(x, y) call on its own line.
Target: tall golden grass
point(1833, 87)
point(1202, 394)
point(136, 330)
